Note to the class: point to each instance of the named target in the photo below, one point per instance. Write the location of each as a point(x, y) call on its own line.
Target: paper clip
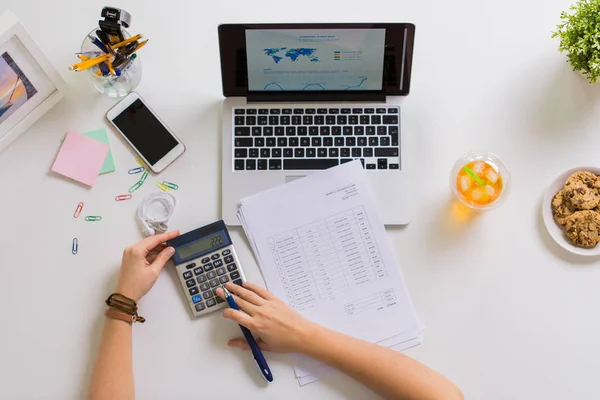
point(123, 197)
point(144, 176)
point(140, 161)
point(135, 187)
point(78, 210)
point(136, 170)
point(162, 187)
point(170, 185)
point(75, 246)
point(93, 218)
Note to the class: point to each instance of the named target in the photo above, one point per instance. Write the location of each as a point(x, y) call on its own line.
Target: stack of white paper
point(321, 246)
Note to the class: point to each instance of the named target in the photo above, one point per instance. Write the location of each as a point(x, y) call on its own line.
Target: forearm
point(112, 377)
point(387, 372)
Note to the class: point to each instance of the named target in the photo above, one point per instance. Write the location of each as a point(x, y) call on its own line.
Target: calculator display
point(201, 245)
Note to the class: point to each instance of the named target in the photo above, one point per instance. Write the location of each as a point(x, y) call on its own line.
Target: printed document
point(322, 248)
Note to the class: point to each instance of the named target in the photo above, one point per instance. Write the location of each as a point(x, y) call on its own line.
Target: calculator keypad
point(203, 276)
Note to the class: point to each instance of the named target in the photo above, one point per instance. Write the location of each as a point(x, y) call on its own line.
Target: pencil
point(89, 63)
point(126, 42)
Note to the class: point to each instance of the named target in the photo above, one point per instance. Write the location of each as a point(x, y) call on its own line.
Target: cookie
point(561, 208)
point(581, 190)
point(583, 228)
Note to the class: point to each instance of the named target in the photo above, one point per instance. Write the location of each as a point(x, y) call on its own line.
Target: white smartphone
point(145, 132)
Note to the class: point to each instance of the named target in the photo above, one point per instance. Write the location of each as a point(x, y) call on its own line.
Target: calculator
point(205, 260)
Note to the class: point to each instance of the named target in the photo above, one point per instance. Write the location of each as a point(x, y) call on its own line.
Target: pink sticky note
point(80, 158)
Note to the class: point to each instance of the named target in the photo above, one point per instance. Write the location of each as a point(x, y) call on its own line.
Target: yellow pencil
point(126, 42)
point(89, 63)
point(82, 57)
point(92, 61)
point(110, 67)
point(142, 44)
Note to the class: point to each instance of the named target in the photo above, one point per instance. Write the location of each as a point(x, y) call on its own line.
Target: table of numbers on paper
point(320, 260)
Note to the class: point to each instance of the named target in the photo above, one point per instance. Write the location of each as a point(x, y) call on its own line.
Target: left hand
point(142, 263)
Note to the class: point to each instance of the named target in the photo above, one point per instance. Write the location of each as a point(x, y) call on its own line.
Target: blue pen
point(258, 355)
point(98, 44)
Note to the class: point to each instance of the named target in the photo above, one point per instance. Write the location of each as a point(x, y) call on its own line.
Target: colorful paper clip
point(170, 185)
point(93, 218)
point(136, 170)
point(75, 246)
point(144, 176)
point(78, 210)
point(162, 187)
point(135, 187)
point(123, 197)
point(140, 161)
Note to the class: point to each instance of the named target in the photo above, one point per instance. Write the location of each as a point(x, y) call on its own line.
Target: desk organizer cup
point(480, 180)
point(110, 85)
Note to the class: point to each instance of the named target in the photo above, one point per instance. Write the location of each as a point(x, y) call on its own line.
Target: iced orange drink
point(479, 180)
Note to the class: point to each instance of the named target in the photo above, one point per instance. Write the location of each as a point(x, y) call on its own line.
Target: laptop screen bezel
point(399, 43)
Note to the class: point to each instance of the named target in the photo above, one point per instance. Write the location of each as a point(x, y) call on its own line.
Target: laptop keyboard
point(315, 138)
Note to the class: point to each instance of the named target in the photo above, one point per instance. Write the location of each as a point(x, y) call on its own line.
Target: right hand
point(280, 327)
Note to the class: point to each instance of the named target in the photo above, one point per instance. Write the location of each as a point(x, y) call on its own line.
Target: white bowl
point(554, 229)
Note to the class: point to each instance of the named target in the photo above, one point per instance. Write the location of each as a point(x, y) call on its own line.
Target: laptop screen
point(293, 61)
point(315, 59)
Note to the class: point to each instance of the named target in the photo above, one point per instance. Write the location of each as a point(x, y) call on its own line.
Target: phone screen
point(145, 132)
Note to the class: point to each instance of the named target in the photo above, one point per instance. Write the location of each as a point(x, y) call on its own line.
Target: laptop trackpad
point(292, 178)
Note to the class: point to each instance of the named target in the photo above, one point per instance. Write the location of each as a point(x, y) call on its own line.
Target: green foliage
point(579, 35)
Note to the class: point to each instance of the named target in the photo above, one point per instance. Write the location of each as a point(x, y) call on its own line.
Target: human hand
point(142, 263)
point(279, 326)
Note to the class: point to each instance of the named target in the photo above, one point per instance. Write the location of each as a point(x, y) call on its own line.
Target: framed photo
point(29, 84)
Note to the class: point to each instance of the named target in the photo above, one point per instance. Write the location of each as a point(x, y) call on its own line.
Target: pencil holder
point(115, 86)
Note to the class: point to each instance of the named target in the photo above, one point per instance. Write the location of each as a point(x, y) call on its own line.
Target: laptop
point(305, 97)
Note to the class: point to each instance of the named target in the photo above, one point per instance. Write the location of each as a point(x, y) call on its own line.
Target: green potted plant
point(579, 35)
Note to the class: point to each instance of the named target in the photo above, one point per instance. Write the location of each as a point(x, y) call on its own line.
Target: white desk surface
point(508, 314)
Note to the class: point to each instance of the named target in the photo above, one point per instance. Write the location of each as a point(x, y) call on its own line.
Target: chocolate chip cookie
point(581, 190)
point(583, 228)
point(562, 208)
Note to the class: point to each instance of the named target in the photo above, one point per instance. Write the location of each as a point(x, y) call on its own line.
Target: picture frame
point(29, 84)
